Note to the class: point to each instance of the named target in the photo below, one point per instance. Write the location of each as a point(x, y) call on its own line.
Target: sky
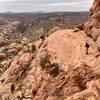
point(44, 5)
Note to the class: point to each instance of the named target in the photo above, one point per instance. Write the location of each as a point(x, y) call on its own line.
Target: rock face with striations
point(92, 27)
point(59, 68)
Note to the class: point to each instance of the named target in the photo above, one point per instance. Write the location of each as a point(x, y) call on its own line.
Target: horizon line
point(39, 11)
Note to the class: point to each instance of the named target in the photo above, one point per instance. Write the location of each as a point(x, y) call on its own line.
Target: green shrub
point(54, 70)
point(2, 57)
point(44, 61)
point(79, 82)
point(33, 48)
point(56, 92)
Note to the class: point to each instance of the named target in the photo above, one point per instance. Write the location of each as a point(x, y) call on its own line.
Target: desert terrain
point(50, 56)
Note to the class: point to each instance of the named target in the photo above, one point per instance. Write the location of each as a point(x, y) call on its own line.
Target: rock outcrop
point(91, 93)
point(92, 27)
point(64, 66)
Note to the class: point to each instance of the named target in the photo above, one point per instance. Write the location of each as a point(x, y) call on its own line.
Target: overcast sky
point(44, 5)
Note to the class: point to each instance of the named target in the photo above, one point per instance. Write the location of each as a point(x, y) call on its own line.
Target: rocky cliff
point(92, 27)
point(64, 66)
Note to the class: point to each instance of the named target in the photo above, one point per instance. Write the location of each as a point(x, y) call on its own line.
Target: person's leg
point(86, 51)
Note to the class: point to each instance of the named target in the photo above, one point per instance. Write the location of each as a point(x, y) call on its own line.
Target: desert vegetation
point(50, 56)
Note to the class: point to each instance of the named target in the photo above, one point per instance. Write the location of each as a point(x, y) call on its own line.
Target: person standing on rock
point(87, 48)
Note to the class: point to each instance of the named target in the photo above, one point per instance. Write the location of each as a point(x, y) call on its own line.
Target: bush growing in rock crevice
point(24, 67)
point(78, 81)
point(54, 71)
point(2, 57)
point(33, 48)
point(56, 91)
point(44, 61)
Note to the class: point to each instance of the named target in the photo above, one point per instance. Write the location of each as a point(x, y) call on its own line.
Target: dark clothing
point(87, 48)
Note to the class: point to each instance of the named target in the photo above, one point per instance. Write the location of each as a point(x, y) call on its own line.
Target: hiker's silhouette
point(87, 48)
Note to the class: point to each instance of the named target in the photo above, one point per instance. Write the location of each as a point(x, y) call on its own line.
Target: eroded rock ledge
point(60, 68)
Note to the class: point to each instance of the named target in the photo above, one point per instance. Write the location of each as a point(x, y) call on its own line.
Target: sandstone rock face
point(59, 67)
point(14, 76)
point(92, 27)
point(67, 48)
point(91, 93)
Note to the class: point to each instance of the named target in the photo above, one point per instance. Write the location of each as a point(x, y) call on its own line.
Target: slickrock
point(91, 93)
point(64, 66)
point(67, 48)
point(15, 74)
